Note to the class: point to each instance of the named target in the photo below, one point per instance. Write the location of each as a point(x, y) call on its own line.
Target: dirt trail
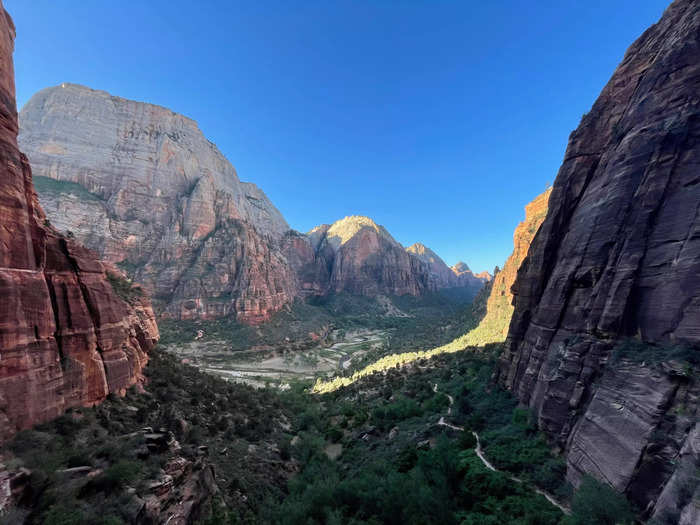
point(480, 454)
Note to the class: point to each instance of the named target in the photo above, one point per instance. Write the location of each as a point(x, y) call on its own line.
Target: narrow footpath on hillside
point(480, 453)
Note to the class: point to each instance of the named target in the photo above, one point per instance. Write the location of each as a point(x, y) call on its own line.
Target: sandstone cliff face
point(66, 337)
point(311, 269)
point(143, 187)
point(618, 256)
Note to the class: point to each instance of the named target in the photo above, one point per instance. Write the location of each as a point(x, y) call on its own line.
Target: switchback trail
point(480, 454)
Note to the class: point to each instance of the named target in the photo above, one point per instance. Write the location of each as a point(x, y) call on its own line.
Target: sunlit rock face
point(144, 188)
point(618, 256)
point(66, 338)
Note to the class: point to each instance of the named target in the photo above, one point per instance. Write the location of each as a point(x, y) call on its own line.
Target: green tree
point(598, 503)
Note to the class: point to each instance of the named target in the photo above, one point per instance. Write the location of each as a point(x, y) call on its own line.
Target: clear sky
point(438, 119)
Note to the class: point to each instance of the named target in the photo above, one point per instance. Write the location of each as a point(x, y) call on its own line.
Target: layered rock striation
point(142, 186)
point(67, 338)
point(618, 258)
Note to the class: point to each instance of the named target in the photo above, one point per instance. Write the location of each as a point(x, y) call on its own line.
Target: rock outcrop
point(66, 337)
point(144, 188)
point(460, 275)
point(499, 308)
point(618, 257)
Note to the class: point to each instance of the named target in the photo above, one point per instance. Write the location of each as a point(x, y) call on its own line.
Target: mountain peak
point(343, 230)
point(421, 251)
point(461, 267)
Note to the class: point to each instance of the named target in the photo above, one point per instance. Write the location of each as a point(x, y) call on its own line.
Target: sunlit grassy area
point(489, 330)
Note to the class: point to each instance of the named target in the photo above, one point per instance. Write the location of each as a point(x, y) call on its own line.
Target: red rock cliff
point(618, 256)
point(66, 337)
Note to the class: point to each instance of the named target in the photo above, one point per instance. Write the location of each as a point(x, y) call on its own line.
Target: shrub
point(123, 288)
point(596, 502)
point(63, 514)
point(467, 440)
point(115, 477)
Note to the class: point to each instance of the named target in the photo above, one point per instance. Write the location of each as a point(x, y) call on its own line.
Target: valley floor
point(279, 366)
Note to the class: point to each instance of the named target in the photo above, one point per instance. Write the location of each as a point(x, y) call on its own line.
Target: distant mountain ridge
point(447, 277)
point(358, 256)
point(142, 186)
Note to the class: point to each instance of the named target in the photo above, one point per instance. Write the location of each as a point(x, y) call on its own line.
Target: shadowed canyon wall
point(66, 337)
point(616, 264)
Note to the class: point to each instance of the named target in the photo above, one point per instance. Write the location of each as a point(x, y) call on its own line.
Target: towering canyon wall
point(144, 188)
point(66, 337)
point(618, 259)
point(363, 258)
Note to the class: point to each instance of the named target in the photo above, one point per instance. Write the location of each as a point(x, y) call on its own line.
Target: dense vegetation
point(188, 417)
point(376, 451)
point(47, 185)
point(398, 465)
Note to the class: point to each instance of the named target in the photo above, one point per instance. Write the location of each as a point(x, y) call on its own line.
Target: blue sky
point(440, 120)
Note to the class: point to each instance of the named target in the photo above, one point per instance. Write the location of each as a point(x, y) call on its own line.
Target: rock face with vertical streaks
point(67, 338)
point(618, 258)
point(144, 188)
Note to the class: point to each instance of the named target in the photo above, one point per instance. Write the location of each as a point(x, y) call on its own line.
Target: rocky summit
point(610, 285)
point(71, 330)
point(365, 259)
point(362, 258)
